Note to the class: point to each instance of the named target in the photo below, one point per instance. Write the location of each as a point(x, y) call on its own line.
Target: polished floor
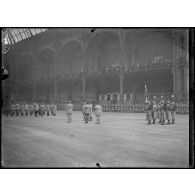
point(121, 140)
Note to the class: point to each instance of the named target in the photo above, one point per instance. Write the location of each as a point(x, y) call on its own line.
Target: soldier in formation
point(154, 111)
point(98, 112)
point(168, 112)
point(172, 109)
point(47, 109)
point(148, 108)
point(87, 112)
point(163, 110)
point(25, 109)
point(31, 109)
point(53, 109)
point(36, 109)
point(69, 110)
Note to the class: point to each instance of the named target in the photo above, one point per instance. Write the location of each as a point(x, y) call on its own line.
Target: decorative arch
point(46, 56)
point(69, 46)
point(67, 43)
point(99, 34)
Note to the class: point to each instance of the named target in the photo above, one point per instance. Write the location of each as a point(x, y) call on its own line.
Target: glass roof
point(14, 35)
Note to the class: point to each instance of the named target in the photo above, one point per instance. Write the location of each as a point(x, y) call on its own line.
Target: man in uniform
point(82, 110)
point(26, 108)
point(22, 111)
point(159, 109)
point(91, 110)
point(13, 108)
point(47, 108)
point(168, 112)
point(148, 108)
point(53, 108)
point(31, 109)
point(98, 112)
point(154, 111)
point(42, 109)
point(17, 109)
point(69, 110)
point(36, 109)
point(172, 109)
point(163, 111)
point(87, 111)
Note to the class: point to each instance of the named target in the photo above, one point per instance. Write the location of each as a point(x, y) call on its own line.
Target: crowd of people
point(157, 62)
point(25, 109)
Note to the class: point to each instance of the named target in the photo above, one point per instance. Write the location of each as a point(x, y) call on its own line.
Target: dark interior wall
point(70, 65)
point(62, 65)
point(152, 45)
point(77, 63)
point(157, 82)
point(108, 56)
point(106, 53)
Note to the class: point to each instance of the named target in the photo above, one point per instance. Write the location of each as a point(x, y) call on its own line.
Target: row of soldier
point(160, 109)
point(35, 109)
point(181, 108)
point(87, 111)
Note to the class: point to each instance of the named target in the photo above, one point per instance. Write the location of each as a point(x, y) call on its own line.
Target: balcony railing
point(137, 68)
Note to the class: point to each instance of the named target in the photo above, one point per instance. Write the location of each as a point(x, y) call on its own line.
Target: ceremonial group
point(160, 109)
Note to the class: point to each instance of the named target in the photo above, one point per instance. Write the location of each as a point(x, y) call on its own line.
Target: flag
point(146, 94)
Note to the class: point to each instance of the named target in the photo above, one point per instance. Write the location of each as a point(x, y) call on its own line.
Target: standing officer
point(17, 109)
point(87, 111)
point(148, 108)
point(47, 109)
point(26, 108)
point(42, 109)
point(22, 109)
point(53, 109)
point(98, 112)
point(172, 109)
point(168, 112)
point(36, 109)
point(162, 112)
point(13, 108)
point(31, 109)
point(159, 109)
point(91, 110)
point(83, 109)
point(69, 110)
point(154, 111)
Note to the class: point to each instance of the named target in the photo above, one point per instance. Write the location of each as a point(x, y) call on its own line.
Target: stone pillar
point(34, 92)
point(122, 55)
point(186, 87)
point(55, 77)
point(177, 80)
point(121, 77)
point(133, 88)
point(187, 83)
point(83, 50)
point(83, 85)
